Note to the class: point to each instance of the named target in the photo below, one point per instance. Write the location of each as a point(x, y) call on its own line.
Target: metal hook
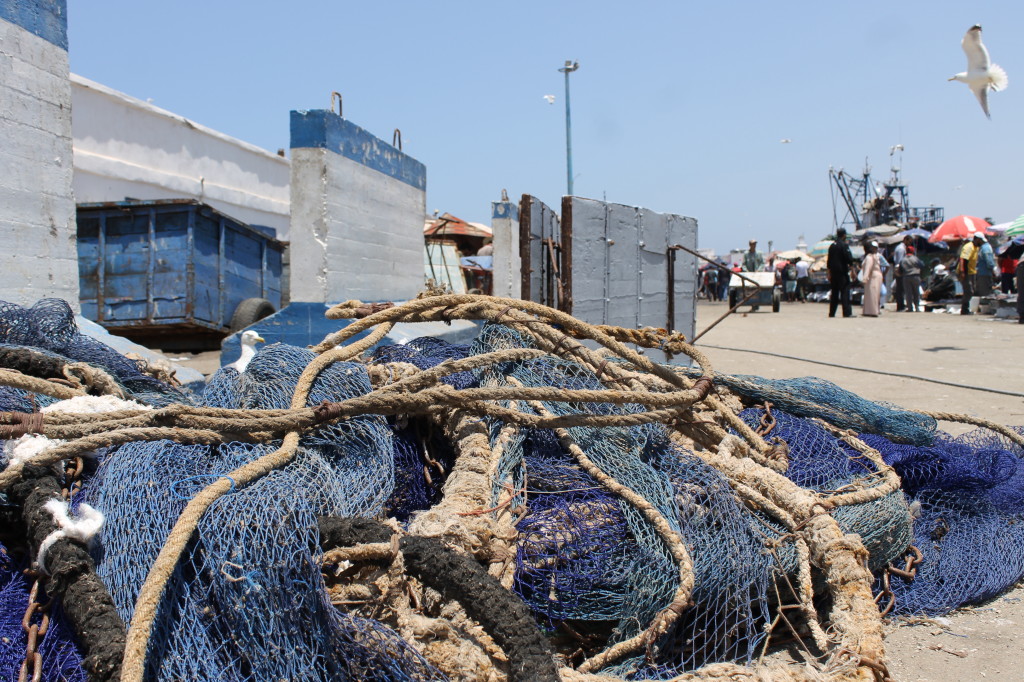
point(396, 139)
point(337, 94)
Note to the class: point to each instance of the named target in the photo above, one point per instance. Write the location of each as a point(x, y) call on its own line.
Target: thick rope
point(977, 421)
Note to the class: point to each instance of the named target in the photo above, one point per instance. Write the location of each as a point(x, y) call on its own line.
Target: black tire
point(250, 311)
point(460, 578)
point(776, 301)
point(734, 297)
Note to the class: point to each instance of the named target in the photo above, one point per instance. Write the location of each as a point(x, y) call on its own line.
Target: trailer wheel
point(250, 311)
point(776, 301)
point(734, 297)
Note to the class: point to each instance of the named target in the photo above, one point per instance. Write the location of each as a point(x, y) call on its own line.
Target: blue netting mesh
point(815, 397)
point(248, 600)
point(62, 662)
point(968, 493)
point(49, 325)
point(585, 554)
point(822, 462)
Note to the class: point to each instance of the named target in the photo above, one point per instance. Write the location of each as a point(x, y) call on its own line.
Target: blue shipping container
point(157, 266)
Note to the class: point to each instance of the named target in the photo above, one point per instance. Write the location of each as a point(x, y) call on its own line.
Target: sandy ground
point(972, 644)
point(976, 643)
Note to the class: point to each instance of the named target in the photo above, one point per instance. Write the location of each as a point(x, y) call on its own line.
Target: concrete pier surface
point(861, 354)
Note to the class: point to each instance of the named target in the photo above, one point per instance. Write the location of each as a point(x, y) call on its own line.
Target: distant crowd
point(900, 273)
point(975, 267)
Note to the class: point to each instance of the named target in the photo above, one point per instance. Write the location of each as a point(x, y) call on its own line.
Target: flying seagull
point(549, 98)
point(785, 140)
point(981, 75)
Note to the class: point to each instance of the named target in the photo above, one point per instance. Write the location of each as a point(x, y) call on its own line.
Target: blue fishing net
point(49, 325)
point(422, 455)
point(584, 554)
point(247, 601)
point(62, 661)
point(967, 497)
point(822, 462)
point(815, 397)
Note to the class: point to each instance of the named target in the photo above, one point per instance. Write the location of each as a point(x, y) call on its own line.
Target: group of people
point(975, 269)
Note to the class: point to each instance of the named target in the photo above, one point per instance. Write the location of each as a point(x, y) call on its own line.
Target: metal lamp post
point(569, 67)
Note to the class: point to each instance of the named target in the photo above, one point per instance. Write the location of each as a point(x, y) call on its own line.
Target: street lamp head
point(570, 66)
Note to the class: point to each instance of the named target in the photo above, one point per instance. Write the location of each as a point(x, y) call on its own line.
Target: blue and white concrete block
point(37, 208)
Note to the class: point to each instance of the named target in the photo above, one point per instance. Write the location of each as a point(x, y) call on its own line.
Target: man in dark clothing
point(839, 262)
point(941, 286)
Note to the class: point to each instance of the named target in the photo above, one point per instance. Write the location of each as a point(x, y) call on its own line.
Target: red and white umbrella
point(960, 227)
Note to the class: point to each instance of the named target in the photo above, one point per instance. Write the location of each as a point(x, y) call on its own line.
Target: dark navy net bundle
point(968, 497)
point(422, 455)
point(49, 325)
point(248, 600)
point(584, 554)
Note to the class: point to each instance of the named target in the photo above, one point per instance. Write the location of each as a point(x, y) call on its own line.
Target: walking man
point(898, 254)
point(803, 279)
point(967, 268)
point(840, 260)
point(986, 266)
point(752, 260)
point(910, 274)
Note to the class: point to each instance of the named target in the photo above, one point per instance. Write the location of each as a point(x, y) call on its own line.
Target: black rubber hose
point(87, 603)
point(460, 578)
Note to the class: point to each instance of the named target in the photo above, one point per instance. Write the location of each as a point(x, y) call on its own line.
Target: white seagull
point(249, 340)
point(981, 75)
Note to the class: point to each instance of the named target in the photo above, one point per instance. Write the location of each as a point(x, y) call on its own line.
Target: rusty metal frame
point(525, 268)
point(565, 302)
point(757, 287)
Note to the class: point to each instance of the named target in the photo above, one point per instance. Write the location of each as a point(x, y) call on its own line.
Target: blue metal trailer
point(174, 272)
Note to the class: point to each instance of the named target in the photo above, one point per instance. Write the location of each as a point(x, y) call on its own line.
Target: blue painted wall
point(47, 19)
point(322, 129)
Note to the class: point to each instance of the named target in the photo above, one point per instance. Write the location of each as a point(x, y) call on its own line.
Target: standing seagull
point(981, 75)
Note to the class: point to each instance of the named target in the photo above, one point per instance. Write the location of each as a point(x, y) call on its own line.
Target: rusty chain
point(767, 421)
point(33, 663)
point(909, 571)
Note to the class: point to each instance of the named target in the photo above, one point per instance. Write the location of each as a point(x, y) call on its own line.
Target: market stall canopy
point(821, 248)
point(1012, 249)
point(793, 254)
point(877, 231)
point(1016, 228)
point(449, 226)
point(960, 227)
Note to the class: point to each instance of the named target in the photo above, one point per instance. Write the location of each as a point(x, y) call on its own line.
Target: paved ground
point(973, 644)
point(977, 351)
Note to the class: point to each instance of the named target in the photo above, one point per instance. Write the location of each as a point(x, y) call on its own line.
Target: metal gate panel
point(540, 248)
point(621, 262)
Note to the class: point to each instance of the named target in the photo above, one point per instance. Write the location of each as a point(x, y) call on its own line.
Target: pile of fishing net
point(522, 507)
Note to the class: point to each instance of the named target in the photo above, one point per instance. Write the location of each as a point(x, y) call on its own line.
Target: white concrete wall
point(125, 147)
point(39, 258)
point(357, 214)
point(507, 280)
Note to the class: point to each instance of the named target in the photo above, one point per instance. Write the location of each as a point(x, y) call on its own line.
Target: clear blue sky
point(678, 107)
